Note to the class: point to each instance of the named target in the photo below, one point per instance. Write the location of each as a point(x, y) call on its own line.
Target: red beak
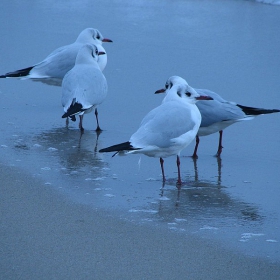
point(107, 40)
point(160, 91)
point(100, 53)
point(204, 97)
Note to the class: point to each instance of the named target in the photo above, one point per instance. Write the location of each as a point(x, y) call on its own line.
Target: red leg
point(220, 147)
point(81, 123)
point(96, 116)
point(179, 182)
point(195, 148)
point(162, 169)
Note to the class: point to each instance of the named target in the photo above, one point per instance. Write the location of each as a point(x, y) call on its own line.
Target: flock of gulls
point(185, 113)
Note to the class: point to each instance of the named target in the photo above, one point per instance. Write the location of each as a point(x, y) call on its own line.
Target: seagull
point(164, 132)
point(84, 86)
point(54, 67)
point(219, 113)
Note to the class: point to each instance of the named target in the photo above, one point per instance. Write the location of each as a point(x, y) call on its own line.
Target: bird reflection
point(204, 200)
point(76, 151)
point(219, 172)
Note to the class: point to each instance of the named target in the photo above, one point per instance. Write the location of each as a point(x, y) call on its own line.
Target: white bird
point(167, 129)
point(218, 114)
point(54, 67)
point(84, 86)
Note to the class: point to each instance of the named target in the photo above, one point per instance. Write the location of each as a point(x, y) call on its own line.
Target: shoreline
point(46, 236)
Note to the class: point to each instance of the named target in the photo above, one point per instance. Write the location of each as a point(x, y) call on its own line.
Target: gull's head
point(172, 81)
point(88, 52)
point(177, 88)
point(92, 35)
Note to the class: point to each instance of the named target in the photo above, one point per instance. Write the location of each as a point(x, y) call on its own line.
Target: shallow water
point(219, 45)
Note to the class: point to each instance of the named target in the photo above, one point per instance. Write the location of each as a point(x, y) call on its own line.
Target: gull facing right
point(84, 86)
point(167, 129)
point(54, 67)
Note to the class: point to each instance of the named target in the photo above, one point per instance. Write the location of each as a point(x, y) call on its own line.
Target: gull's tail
point(257, 111)
point(18, 73)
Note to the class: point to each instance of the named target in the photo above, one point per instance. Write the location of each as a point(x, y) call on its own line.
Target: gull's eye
point(168, 85)
point(98, 36)
point(179, 94)
point(188, 94)
point(94, 52)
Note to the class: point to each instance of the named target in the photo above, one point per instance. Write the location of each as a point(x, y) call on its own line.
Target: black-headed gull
point(218, 114)
point(54, 67)
point(163, 131)
point(84, 86)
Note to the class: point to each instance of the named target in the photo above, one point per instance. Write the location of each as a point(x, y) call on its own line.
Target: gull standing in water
point(163, 131)
point(218, 113)
point(84, 86)
point(54, 67)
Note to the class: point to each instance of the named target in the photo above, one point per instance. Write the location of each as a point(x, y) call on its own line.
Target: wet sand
point(46, 236)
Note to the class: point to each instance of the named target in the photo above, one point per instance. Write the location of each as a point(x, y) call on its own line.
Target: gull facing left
point(84, 86)
point(163, 131)
point(219, 113)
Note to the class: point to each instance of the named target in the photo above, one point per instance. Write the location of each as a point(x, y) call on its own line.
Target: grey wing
point(217, 110)
point(96, 86)
point(59, 62)
point(210, 93)
point(163, 124)
point(88, 86)
point(62, 49)
point(69, 88)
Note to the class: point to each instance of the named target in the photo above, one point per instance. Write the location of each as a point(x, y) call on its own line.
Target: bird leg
point(195, 148)
point(179, 182)
point(220, 147)
point(162, 169)
point(96, 116)
point(81, 123)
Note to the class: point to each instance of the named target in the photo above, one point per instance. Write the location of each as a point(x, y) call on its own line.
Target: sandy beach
point(45, 236)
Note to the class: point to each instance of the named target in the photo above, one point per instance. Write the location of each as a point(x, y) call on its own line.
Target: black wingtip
point(257, 111)
point(126, 146)
point(18, 73)
point(73, 117)
point(74, 109)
